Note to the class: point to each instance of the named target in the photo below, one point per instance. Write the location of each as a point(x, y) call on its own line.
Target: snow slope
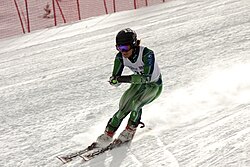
point(55, 98)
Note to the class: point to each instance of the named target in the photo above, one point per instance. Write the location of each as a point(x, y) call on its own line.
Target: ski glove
point(113, 81)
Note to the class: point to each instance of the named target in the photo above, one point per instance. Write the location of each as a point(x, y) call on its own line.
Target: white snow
point(55, 98)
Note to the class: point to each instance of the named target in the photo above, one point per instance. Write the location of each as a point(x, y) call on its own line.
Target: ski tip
point(64, 159)
point(92, 146)
point(84, 158)
point(117, 142)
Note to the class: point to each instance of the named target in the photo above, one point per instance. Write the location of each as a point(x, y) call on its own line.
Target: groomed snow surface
point(55, 98)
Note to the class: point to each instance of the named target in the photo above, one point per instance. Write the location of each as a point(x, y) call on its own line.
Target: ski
point(69, 157)
point(88, 156)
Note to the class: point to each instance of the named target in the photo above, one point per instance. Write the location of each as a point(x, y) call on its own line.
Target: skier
point(146, 85)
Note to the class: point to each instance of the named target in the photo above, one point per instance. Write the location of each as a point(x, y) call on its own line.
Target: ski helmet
point(126, 37)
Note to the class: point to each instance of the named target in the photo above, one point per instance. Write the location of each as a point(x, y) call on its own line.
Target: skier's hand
point(113, 81)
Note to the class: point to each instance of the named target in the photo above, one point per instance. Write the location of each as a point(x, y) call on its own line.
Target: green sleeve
point(118, 65)
point(149, 61)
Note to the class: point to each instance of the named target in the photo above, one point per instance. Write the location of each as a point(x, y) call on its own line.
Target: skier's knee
point(135, 104)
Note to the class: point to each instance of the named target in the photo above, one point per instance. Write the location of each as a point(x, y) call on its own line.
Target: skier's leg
point(115, 121)
point(124, 109)
point(128, 94)
point(135, 118)
point(151, 92)
point(147, 94)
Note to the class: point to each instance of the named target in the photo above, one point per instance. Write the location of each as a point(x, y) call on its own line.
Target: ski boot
point(104, 139)
point(127, 134)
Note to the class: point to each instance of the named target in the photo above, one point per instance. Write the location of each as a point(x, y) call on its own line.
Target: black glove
point(113, 81)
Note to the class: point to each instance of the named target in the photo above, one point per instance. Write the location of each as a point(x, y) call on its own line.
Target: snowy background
point(55, 98)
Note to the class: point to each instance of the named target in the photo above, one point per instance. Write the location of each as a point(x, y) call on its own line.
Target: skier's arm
point(149, 62)
point(117, 70)
point(118, 65)
point(135, 79)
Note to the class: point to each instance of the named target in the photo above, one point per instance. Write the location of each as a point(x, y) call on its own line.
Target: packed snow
point(55, 98)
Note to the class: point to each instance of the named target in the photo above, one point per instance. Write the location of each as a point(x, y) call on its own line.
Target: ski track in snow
point(55, 98)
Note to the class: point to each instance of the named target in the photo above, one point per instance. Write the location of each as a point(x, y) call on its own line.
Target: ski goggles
point(123, 48)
